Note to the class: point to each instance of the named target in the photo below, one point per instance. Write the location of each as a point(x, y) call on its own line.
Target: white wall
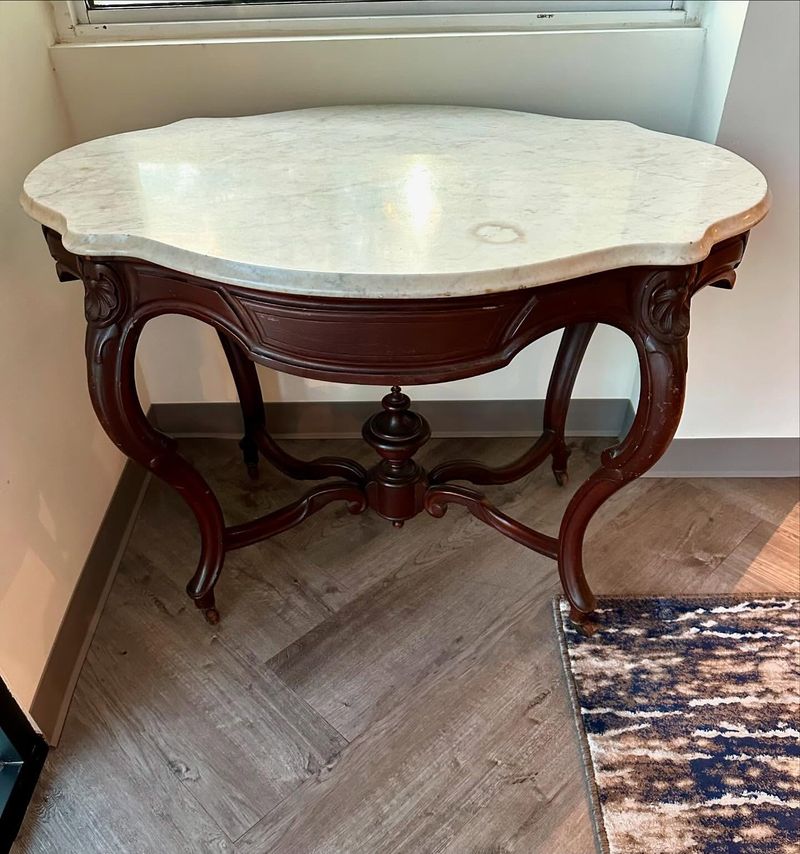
point(723, 21)
point(744, 356)
point(57, 469)
point(645, 76)
point(743, 351)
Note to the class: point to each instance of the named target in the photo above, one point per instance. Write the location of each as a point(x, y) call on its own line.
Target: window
point(96, 19)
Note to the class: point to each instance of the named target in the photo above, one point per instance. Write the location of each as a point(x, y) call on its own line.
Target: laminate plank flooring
point(435, 762)
point(239, 740)
point(109, 789)
point(369, 690)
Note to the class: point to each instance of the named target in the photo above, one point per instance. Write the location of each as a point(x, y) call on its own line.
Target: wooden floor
point(369, 689)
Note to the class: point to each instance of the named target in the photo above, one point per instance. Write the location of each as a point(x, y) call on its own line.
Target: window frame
point(76, 23)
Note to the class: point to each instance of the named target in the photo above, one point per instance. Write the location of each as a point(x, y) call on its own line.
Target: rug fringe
point(598, 825)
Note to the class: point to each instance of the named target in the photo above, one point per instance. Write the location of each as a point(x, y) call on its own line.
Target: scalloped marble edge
point(360, 285)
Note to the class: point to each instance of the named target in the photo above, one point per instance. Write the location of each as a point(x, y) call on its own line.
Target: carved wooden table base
point(395, 342)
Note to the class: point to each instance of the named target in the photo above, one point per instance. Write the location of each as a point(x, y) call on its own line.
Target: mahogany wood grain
point(574, 342)
point(238, 536)
point(256, 437)
point(396, 342)
point(438, 497)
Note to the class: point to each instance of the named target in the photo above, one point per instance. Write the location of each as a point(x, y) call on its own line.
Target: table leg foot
point(249, 448)
point(583, 622)
point(207, 605)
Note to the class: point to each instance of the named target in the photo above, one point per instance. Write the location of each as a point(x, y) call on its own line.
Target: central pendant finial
point(396, 485)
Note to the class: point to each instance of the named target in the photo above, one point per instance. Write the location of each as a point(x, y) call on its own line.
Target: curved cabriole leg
point(257, 438)
point(250, 399)
point(111, 338)
point(574, 341)
point(661, 345)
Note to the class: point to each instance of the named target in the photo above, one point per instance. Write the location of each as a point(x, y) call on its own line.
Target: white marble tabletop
point(396, 201)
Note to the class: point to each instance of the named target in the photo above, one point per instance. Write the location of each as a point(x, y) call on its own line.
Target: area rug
point(687, 711)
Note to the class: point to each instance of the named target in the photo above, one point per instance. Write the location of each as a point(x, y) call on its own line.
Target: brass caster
point(212, 616)
point(398, 523)
point(583, 622)
point(562, 478)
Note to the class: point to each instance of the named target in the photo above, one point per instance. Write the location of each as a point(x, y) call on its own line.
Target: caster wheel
point(562, 478)
point(212, 616)
point(583, 622)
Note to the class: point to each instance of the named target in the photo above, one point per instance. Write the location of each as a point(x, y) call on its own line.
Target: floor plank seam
point(187, 790)
point(420, 710)
point(250, 666)
point(288, 653)
point(757, 524)
point(493, 634)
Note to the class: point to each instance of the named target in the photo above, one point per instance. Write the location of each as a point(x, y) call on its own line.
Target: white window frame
point(75, 23)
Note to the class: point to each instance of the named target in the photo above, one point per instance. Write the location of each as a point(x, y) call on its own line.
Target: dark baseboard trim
point(745, 457)
point(723, 457)
point(448, 418)
point(57, 683)
point(757, 456)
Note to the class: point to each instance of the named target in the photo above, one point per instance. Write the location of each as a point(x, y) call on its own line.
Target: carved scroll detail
point(665, 305)
point(103, 299)
point(719, 269)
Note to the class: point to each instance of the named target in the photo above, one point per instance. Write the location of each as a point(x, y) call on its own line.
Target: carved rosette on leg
point(659, 331)
point(396, 485)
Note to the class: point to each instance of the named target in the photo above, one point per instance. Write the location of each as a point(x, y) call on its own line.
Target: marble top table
point(396, 201)
point(397, 245)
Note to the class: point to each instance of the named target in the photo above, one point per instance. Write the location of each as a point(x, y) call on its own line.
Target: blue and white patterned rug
point(688, 714)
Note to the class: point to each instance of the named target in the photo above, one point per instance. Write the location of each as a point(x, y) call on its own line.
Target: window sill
point(70, 32)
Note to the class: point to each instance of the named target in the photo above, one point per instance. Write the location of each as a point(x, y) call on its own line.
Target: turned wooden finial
point(396, 484)
point(397, 432)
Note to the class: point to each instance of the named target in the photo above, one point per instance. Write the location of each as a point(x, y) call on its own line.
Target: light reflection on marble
point(396, 201)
